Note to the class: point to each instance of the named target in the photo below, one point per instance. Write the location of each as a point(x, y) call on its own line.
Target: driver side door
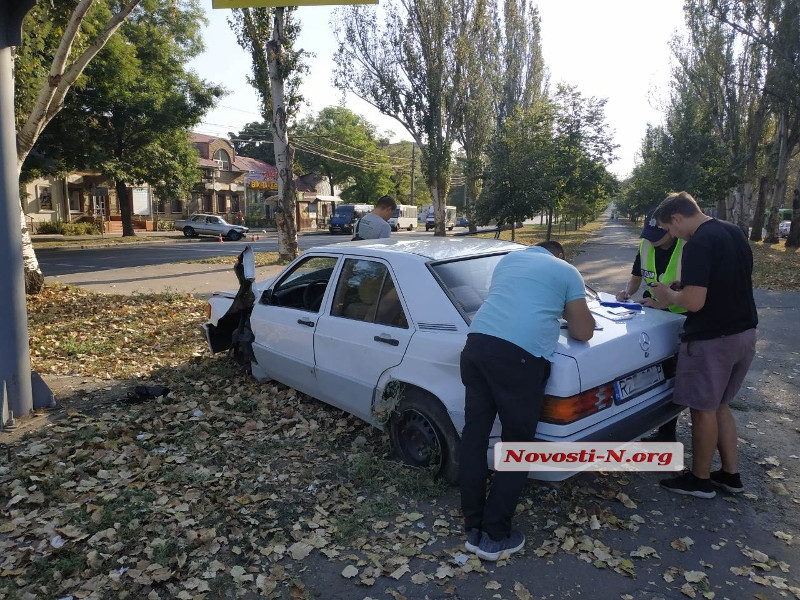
point(284, 320)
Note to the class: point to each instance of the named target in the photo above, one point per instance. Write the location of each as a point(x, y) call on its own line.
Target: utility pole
point(16, 395)
point(413, 162)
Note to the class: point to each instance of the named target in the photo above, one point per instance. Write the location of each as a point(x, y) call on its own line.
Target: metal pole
point(413, 157)
point(15, 362)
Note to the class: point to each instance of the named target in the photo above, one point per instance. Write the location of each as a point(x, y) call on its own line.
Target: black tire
point(423, 435)
point(188, 232)
point(410, 228)
point(234, 236)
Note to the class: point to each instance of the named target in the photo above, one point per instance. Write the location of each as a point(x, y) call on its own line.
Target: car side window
point(213, 220)
point(366, 292)
point(197, 219)
point(304, 286)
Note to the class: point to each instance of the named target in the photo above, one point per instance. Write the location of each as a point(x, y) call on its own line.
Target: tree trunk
point(779, 186)
point(284, 153)
point(793, 241)
point(49, 102)
point(758, 217)
point(124, 208)
point(438, 212)
point(745, 195)
point(472, 187)
point(34, 279)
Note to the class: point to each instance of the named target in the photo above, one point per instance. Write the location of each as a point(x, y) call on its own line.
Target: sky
point(613, 49)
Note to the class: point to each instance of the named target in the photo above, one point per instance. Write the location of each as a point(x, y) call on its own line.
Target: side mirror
point(249, 263)
point(266, 297)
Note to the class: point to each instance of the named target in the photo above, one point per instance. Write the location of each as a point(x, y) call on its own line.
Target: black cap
point(651, 232)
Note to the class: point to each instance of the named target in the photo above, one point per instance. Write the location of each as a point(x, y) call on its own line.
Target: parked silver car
point(199, 224)
point(376, 328)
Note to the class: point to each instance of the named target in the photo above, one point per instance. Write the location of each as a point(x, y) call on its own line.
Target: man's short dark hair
point(680, 203)
point(386, 201)
point(552, 247)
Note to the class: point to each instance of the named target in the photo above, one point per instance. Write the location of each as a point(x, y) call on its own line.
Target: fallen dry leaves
point(228, 487)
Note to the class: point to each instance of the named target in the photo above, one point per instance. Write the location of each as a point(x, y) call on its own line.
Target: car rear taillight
point(208, 310)
point(566, 410)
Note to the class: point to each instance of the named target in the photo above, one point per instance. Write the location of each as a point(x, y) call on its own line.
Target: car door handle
point(386, 340)
point(306, 322)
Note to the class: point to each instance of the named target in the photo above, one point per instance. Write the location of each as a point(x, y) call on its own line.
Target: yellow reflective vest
point(647, 261)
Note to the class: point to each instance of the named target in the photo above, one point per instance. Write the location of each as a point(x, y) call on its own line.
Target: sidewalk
point(114, 239)
point(198, 279)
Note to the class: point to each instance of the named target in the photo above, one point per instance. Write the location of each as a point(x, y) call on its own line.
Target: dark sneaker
point(730, 482)
point(473, 539)
point(489, 549)
point(660, 437)
point(688, 484)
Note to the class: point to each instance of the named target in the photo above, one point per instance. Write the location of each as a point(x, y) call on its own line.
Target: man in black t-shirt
point(718, 341)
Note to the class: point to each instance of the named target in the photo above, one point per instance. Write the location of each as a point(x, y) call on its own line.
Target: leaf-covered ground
point(228, 488)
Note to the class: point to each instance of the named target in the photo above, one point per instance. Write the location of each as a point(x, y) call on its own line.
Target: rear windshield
point(467, 281)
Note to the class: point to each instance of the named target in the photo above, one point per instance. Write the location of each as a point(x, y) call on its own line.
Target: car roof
point(435, 249)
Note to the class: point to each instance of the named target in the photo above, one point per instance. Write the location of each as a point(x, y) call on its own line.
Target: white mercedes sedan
point(376, 328)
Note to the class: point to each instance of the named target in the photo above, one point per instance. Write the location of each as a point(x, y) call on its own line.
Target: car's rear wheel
point(423, 435)
point(188, 232)
point(234, 236)
point(410, 228)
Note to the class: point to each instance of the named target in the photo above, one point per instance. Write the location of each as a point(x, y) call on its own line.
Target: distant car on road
point(783, 228)
point(198, 224)
point(462, 222)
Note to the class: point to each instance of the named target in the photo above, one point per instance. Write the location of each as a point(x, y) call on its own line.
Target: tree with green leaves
point(583, 150)
point(521, 77)
point(343, 147)
point(254, 141)
point(138, 106)
point(518, 181)
point(406, 67)
point(268, 35)
point(406, 175)
point(60, 38)
point(719, 69)
point(478, 59)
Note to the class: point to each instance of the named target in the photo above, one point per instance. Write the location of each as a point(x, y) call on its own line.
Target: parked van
point(345, 217)
point(449, 218)
point(784, 214)
point(404, 217)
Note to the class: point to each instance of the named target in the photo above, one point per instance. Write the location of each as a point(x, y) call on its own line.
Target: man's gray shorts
point(710, 372)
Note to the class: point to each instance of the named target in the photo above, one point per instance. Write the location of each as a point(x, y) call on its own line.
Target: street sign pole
point(15, 362)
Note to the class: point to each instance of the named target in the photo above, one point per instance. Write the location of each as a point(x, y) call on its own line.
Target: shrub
point(50, 227)
point(255, 221)
point(164, 225)
point(81, 229)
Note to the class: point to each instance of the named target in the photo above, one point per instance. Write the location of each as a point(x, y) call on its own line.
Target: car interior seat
point(368, 292)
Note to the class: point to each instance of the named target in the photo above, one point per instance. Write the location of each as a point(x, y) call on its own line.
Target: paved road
point(62, 261)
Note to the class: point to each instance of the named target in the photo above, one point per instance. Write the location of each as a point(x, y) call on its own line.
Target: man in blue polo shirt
point(504, 367)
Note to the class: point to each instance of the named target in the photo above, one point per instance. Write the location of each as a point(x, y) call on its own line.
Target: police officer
point(658, 260)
